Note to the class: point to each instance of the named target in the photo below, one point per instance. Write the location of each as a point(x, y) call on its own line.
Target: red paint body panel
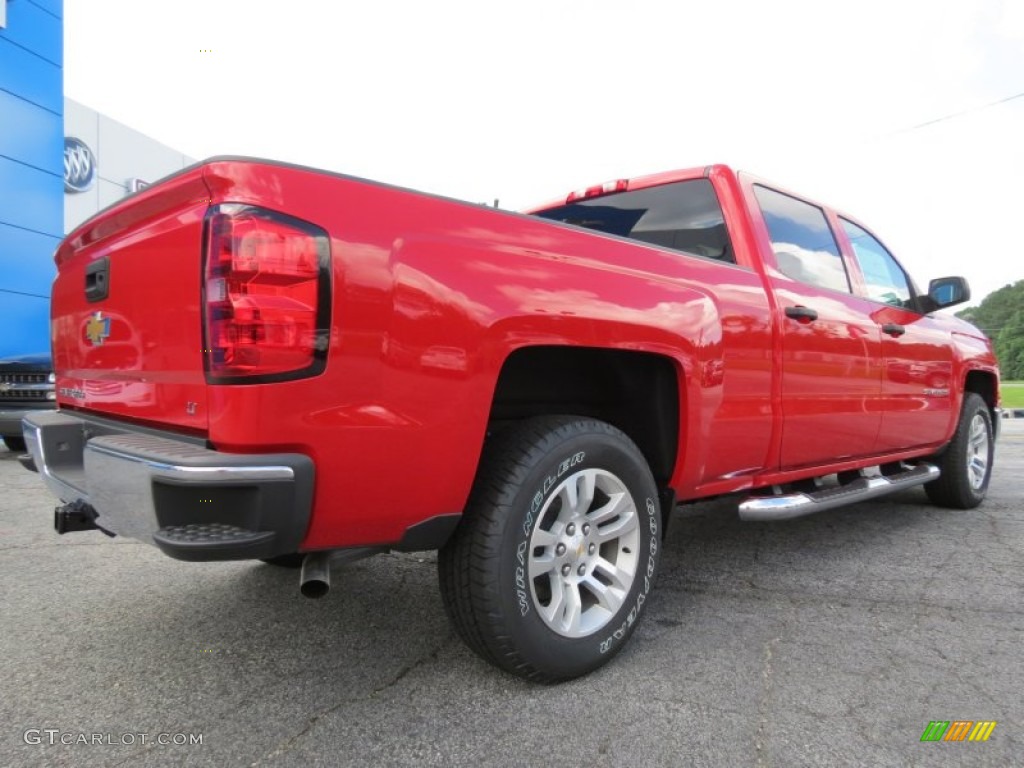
point(150, 365)
point(430, 298)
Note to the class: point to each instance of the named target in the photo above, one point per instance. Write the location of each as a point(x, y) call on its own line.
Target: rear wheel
point(966, 463)
point(16, 444)
point(557, 550)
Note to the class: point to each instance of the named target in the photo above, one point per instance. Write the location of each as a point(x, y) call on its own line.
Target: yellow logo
point(97, 329)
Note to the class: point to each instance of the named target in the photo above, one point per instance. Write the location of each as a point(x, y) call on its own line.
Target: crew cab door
point(917, 387)
point(831, 346)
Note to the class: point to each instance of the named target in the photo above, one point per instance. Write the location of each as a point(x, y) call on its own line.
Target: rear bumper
point(192, 502)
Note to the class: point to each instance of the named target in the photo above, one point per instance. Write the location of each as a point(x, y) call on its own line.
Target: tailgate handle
point(97, 280)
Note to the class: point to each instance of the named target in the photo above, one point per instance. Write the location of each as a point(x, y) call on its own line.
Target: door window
point(886, 282)
point(805, 248)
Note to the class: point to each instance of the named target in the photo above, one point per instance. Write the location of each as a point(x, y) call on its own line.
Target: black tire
point(285, 561)
point(16, 444)
point(964, 479)
point(520, 517)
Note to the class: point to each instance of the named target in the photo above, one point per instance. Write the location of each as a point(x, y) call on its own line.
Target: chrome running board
point(784, 507)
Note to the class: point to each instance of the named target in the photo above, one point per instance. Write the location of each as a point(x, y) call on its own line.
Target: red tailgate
point(126, 323)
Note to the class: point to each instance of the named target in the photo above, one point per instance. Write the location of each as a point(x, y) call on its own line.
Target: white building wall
point(122, 153)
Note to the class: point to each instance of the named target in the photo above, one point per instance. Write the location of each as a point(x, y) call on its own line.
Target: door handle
point(893, 329)
point(801, 313)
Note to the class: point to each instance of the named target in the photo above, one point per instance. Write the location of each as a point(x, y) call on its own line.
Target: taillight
point(266, 300)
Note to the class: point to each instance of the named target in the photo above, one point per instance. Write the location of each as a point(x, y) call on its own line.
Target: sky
point(885, 109)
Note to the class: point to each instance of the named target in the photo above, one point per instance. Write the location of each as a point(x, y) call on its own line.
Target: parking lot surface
point(830, 640)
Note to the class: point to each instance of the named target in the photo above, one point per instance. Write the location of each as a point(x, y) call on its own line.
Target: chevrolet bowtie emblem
point(97, 329)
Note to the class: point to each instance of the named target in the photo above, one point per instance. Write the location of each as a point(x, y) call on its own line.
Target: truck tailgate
point(126, 316)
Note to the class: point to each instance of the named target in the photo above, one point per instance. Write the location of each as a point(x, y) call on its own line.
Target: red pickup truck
point(257, 360)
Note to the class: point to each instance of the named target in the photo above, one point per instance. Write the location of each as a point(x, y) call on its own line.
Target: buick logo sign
point(79, 165)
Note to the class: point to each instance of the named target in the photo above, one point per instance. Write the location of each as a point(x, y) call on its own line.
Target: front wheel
point(966, 464)
point(550, 567)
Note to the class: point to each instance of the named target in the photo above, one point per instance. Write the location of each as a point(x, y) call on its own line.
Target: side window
point(886, 282)
point(802, 240)
point(684, 216)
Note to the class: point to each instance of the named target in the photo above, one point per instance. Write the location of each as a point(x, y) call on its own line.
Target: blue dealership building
point(31, 168)
point(60, 162)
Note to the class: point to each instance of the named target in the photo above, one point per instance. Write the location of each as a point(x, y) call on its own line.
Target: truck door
point(831, 346)
point(917, 387)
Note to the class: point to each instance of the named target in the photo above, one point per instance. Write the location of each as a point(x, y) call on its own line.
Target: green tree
point(1001, 316)
point(996, 309)
point(1010, 347)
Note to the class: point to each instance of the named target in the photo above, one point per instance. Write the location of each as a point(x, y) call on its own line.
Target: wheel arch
point(984, 384)
point(636, 391)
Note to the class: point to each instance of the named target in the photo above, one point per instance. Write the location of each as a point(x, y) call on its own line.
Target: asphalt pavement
point(830, 640)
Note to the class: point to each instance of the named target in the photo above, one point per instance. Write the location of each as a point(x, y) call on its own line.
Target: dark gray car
point(26, 384)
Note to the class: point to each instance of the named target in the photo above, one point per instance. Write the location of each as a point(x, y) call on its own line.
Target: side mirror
point(948, 291)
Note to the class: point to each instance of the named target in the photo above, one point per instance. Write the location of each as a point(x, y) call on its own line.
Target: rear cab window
point(683, 216)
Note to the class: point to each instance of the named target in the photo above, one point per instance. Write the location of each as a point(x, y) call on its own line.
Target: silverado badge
point(97, 329)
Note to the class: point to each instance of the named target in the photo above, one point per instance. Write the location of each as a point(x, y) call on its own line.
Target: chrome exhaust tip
point(315, 578)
